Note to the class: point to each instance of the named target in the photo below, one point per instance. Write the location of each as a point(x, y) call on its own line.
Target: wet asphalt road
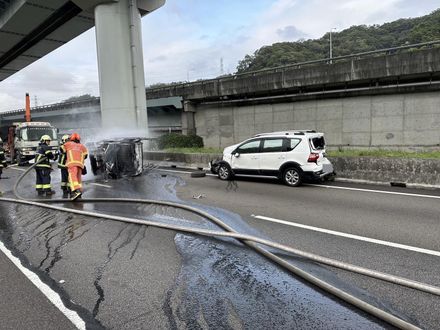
point(122, 276)
point(408, 220)
point(22, 305)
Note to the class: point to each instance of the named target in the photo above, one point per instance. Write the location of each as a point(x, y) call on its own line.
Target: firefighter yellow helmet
point(45, 138)
point(65, 138)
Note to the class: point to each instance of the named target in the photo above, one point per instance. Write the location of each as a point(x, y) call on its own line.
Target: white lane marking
point(53, 297)
point(99, 185)
point(375, 191)
point(330, 187)
point(356, 237)
point(17, 169)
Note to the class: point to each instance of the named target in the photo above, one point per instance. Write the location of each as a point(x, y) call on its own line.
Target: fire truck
point(23, 140)
point(24, 137)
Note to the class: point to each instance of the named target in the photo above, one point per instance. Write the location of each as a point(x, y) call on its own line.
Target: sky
point(188, 40)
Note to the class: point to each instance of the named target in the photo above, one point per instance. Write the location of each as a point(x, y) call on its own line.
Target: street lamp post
point(331, 45)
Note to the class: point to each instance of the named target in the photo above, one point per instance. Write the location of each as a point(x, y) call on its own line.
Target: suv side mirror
point(236, 155)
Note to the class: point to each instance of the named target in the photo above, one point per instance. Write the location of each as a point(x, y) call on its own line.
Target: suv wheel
point(224, 172)
point(292, 177)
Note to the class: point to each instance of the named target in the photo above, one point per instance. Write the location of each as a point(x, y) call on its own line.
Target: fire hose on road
point(251, 241)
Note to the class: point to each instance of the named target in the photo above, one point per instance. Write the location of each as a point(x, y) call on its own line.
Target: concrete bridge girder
point(145, 6)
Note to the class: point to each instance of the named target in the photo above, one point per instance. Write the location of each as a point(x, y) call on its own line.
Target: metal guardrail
point(48, 107)
point(329, 61)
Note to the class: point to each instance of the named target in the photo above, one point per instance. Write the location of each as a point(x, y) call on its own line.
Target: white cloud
point(179, 45)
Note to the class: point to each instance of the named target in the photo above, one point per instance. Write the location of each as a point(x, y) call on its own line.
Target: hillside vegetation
point(353, 40)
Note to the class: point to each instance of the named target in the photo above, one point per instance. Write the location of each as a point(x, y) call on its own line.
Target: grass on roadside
point(384, 153)
point(334, 153)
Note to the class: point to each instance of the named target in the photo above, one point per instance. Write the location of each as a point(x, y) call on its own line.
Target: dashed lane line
point(336, 187)
point(356, 237)
point(53, 297)
point(375, 191)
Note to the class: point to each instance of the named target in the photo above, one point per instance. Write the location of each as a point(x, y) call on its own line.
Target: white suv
point(292, 156)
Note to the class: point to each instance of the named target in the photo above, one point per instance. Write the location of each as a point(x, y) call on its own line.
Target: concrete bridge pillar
point(120, 63)
point(188, 118)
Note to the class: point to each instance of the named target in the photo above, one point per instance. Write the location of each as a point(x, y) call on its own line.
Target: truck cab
point(23, 139)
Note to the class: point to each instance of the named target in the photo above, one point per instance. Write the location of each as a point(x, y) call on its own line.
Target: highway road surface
point(105, 274)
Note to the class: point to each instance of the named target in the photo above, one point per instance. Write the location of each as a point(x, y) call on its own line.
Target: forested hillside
point(356, 39)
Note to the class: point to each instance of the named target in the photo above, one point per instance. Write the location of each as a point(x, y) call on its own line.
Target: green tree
point(356, 39)
point(79, 98)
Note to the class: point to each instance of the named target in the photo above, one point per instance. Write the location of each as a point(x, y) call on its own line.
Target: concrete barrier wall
point(413, 171)
point(401, 121)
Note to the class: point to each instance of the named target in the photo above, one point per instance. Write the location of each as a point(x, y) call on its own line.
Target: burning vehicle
point(117, 158)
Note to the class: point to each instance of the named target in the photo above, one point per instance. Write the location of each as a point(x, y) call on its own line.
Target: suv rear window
point(272, 145)
point(318, 143)
point(292, 143)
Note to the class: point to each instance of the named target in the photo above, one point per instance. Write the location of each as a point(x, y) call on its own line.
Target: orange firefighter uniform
point(76, 154)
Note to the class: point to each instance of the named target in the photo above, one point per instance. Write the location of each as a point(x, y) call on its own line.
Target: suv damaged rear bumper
point(319, 176)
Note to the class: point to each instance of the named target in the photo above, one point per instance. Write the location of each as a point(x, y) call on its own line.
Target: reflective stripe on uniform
point(46, 186)
point(39, 186)
point(74, 185)
point(62, 161)
point(43, 165)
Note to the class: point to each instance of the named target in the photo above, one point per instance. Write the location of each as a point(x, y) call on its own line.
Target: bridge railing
point(57, 106)
point(277, 69)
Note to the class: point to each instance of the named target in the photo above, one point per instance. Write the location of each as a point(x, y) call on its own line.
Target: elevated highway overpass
point(380, 70)
point(387, 99)
point(383, 99)
point(85, 116)
point(31, 29)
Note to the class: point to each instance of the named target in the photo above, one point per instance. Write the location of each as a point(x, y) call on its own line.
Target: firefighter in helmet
point(76, 154)
point(43, 168)
point(65, 187)
point(3, 163)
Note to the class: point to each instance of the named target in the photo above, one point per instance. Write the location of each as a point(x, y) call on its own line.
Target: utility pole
point(331, 45)
point(222, 71)
point(35, 101)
